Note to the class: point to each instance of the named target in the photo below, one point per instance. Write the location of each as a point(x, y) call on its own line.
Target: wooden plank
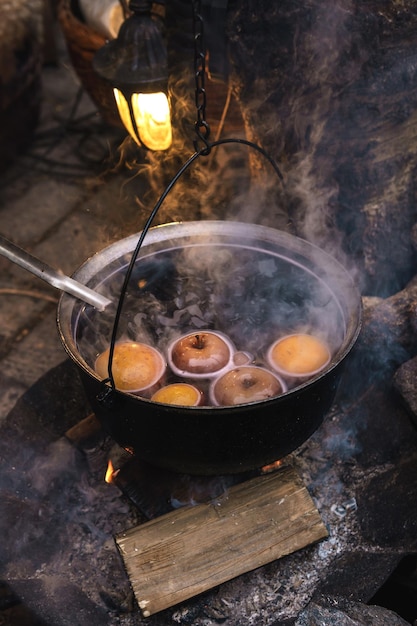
point(185, 552)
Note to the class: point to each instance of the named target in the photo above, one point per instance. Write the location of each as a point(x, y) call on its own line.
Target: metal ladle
point(54, 277)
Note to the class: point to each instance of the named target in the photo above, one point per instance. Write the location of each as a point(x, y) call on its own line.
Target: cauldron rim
point(235, 438)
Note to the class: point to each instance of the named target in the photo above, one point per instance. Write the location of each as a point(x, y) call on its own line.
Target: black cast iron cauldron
point(251, 282)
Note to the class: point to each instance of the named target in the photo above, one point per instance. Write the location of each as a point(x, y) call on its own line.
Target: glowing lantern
point(135, 64)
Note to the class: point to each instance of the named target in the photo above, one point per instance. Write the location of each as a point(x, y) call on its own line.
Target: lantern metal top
point(136, 61)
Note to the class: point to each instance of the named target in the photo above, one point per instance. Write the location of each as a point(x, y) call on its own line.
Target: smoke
point(57, 524)
point(225, 280)
point(312, 53)
point(335, 59)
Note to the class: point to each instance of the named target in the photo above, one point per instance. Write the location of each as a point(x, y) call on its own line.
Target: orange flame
point(111, 473)
point(272, 467)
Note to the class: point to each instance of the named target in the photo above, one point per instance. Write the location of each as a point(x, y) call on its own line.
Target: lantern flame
point(152, 118)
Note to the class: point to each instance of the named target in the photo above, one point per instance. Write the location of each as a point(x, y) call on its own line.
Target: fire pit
point(60, 557)
point(251, 283)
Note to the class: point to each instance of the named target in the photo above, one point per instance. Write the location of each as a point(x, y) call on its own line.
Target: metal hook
point(202, 130)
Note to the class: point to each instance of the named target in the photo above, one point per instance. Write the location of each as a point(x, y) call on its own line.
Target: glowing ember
point(271, 467)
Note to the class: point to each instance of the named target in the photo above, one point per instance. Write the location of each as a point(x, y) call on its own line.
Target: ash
point(59, 521)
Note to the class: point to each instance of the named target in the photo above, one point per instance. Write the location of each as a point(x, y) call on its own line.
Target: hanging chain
point(201, 126)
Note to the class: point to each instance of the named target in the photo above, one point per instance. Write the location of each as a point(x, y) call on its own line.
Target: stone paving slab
point(11, 390)
point(19, 312)
point(25, 220)
point(34, 352)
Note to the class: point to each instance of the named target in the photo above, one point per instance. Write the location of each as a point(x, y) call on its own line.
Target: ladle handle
point(53, 277)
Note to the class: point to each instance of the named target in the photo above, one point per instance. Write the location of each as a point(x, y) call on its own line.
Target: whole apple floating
point(135, 366)
point(248, 383)
point(299, 354)
point(181, 394)
point(202, 352)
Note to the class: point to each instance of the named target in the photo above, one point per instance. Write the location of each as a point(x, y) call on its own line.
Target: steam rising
point(252, 295)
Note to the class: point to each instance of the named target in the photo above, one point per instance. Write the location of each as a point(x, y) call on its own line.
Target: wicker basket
point(82, 43)
point(21, 40)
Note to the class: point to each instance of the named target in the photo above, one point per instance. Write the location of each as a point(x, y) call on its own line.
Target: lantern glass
point(151, 123)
